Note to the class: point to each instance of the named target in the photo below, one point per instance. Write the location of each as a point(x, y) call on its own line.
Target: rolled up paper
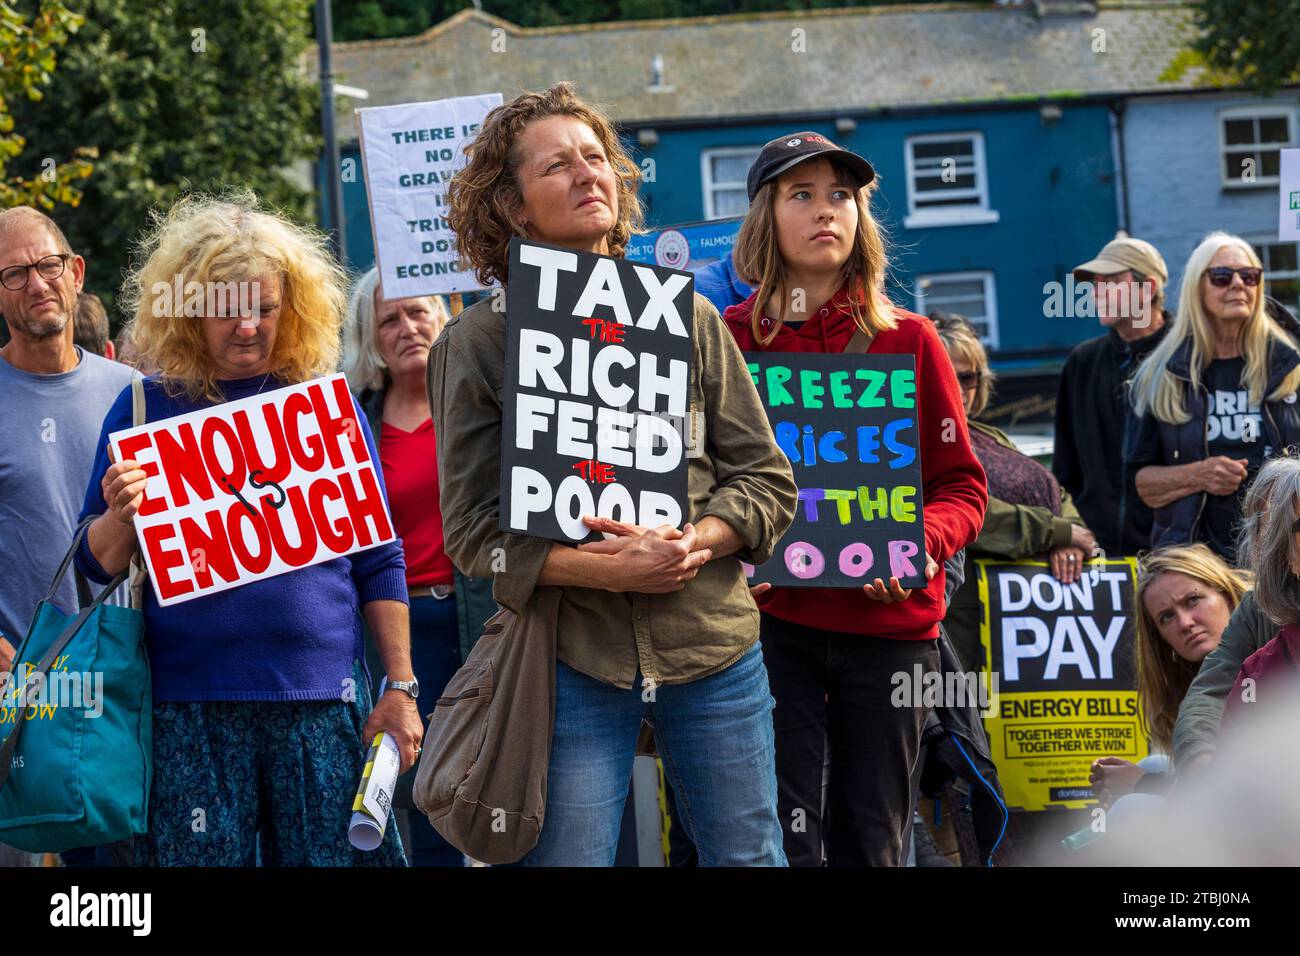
point(374, 794)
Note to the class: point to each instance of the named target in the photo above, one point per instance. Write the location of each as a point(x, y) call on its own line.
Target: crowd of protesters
point(771, 709)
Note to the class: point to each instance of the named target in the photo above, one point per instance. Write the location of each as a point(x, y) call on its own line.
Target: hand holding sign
point(896, 592)
point(123, 487)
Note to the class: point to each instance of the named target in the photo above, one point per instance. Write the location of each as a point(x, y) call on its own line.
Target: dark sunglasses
point(968, 379)
point(1221, 276)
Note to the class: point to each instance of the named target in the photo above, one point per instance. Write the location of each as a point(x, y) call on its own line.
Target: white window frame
point(1267, 240)
point(976, 214)
point(990, 337)
point(706, 174)
point(1252, 112)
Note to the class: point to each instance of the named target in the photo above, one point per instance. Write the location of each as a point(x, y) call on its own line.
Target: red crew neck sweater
point(954, 489)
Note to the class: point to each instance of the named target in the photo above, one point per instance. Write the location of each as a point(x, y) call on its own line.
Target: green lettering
point(841, 497)
point(902, 388)
point(753, 372)
point(870, 398)
point(777, 393)
point(873, 505)
point(902, 507)
point(809, 390)
point(841, 395)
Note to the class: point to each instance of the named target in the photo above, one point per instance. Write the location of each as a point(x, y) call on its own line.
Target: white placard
point(254, 488)
point(410, 152)
point(1288, 223)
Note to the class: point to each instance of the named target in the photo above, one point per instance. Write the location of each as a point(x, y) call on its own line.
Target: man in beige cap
point(1128, 278)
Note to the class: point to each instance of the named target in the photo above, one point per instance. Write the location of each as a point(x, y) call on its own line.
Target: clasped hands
point(650, 560)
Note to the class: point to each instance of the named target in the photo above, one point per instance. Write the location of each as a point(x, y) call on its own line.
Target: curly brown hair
point(485, 199)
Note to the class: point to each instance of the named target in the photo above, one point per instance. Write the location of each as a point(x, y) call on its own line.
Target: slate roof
point(748, 65)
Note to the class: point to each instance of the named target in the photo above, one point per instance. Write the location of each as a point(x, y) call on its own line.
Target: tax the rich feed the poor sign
point(847, 423)
point(254, 488)
point(597, 376)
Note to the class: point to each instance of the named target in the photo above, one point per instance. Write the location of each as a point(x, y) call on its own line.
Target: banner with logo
point(690, 246)
point(254, 488)
point(1060, 658)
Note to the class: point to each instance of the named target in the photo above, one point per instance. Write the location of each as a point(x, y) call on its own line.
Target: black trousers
point(833, 690)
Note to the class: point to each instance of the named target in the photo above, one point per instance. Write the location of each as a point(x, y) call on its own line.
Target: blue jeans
point(716, 741)
point(435, 658)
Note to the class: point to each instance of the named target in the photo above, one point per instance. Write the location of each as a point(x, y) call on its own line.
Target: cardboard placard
point(847, 423)
point(596, 399)
point(1288, 221)
point(410, 152)
point(1061, 659)
point(254, 488)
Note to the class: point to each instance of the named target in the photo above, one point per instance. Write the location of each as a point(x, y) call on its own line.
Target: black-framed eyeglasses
point(14, 278)
point(1221, 276)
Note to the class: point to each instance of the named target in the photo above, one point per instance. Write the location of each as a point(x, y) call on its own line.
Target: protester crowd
point(770, 708)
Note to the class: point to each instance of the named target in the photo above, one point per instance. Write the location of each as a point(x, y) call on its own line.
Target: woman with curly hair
point(260, 700)
point(655, 623)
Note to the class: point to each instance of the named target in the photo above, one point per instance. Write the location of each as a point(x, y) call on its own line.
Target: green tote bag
point(76, 757)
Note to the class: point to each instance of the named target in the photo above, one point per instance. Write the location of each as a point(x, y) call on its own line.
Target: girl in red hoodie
point(835, 657)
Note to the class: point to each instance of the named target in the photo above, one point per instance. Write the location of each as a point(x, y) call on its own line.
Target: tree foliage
point(178, 96)
point(1255, 44)
point(28, 57)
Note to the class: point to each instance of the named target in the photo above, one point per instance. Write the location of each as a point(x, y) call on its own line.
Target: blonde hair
point(208, 239)
point(1155, 389)
point(964, 345)
point(1164, 677)
point(757, 257)
point(364, 367)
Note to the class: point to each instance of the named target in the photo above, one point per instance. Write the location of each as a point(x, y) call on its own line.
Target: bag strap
point(137, 568)
point(51, 655)
point(858, 343)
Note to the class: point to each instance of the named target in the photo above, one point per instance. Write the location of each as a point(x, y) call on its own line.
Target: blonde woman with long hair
point(1214, 400)
point(816, 258)
point(260, 694)
point(1185, 595)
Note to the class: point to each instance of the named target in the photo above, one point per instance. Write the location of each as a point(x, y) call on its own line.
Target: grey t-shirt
point(51, 428)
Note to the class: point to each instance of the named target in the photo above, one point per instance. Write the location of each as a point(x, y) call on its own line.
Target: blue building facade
point(1199, 163)
point(1024, 199)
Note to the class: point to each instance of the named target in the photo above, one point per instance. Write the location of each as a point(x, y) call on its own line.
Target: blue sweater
point(290, 637)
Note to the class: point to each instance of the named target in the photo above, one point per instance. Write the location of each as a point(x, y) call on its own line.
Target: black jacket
point(1153, 442)
point(1092, 417)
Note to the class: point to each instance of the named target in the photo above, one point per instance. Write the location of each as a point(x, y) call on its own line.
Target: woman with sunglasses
point(814, 254)
point(1214, 400)
point(1029, 514)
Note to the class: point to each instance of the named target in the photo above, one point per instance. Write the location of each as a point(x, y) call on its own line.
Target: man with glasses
point(1128, 280)
point(53, 398)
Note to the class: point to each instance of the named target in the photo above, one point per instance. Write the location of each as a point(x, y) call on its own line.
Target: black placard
point(848, 424)
point(596, 395)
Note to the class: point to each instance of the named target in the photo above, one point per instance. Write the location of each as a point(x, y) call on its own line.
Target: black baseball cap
point(786, 152)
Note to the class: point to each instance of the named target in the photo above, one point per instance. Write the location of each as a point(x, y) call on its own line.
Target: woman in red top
point(814, 255)
point(386, 353)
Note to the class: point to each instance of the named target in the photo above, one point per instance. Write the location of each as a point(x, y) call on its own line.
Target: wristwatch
point(410, 687)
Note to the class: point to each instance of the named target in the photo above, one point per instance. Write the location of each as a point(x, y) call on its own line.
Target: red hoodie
point(954, 489)
point(1274, 671)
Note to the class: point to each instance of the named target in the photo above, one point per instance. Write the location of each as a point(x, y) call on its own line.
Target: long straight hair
point(1154, 388)
point(757, 257)
point(1164, 677)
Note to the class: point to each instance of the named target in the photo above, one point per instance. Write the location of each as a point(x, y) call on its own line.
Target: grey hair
point(1266, 539)
point(362, 363)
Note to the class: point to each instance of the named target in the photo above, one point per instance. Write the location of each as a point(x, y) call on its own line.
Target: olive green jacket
point(1011, 532)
